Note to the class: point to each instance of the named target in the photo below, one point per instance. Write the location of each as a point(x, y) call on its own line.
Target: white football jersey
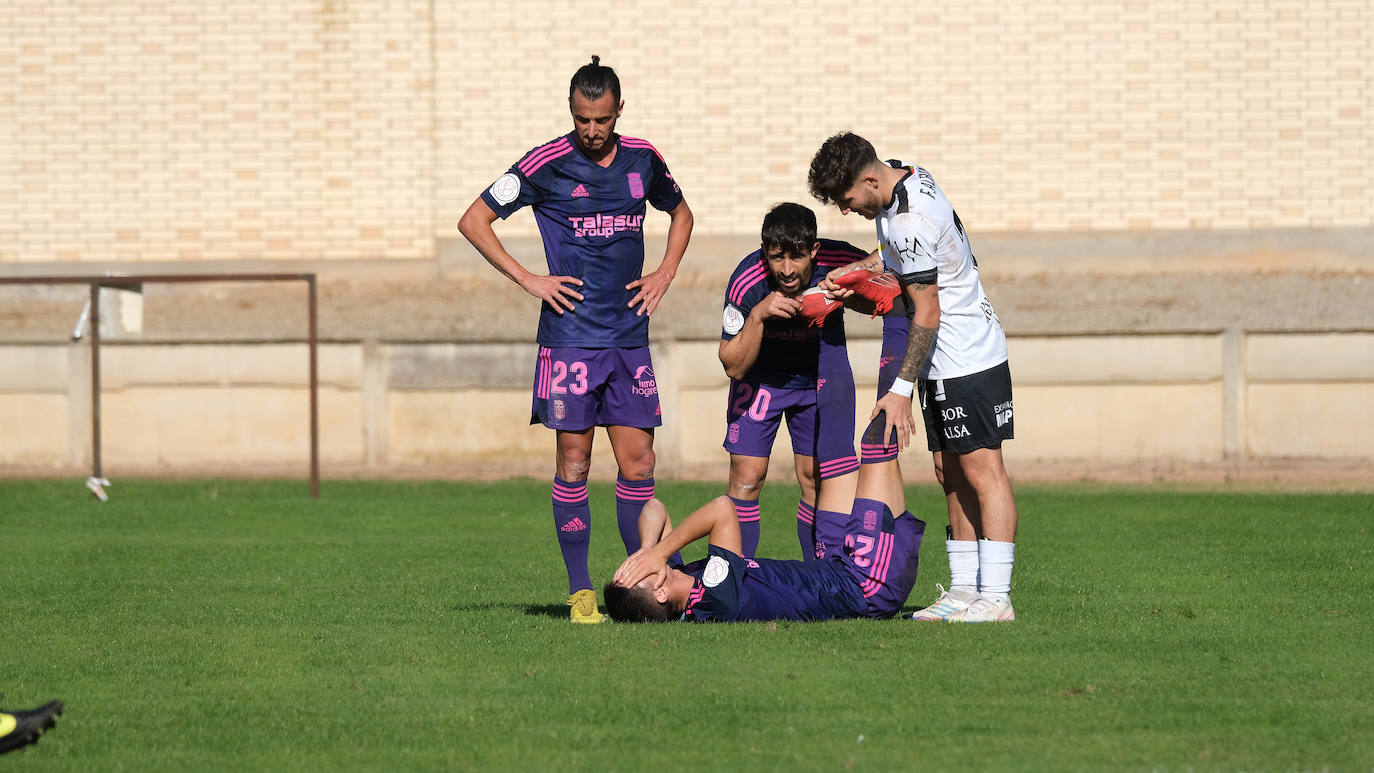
point(922, 241)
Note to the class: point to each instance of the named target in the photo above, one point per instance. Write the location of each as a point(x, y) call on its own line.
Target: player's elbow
point(474, 220)
point(466, 225)
point(682, 216)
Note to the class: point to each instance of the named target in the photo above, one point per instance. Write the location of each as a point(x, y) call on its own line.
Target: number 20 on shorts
point(751, 402)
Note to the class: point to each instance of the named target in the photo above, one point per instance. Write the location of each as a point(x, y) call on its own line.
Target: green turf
point(241, 625)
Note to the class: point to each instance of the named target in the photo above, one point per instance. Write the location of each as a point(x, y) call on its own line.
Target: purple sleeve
point(514, 190)
point(664, 193)
point(715, 596)
point(747, 286)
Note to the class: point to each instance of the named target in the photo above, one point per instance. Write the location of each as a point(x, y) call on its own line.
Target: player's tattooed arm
point(894, 405)
point(920, 340)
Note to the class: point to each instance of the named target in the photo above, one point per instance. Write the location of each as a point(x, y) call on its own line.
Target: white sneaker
point(986, 610)
point(950, 603)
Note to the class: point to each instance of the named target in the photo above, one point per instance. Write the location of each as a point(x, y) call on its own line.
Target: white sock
point(963, 565)
point(994, 561)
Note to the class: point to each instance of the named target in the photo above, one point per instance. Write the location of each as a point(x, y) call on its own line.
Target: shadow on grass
point(557, 611)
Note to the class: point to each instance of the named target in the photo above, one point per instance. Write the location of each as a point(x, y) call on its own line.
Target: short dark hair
point(791, 227)
point(594, 80)
point(634, 605)
point(838, 163)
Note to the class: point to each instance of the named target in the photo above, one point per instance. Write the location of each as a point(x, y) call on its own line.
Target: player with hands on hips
point(588, 191)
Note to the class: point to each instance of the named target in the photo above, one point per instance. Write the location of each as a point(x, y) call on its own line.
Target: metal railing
point(97, 481)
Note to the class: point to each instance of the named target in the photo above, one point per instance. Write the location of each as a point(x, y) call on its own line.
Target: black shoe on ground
point(20, 728)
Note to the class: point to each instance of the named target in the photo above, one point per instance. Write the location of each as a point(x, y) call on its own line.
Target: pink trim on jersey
point(745, 281)
point(636, 142)
point(542, 379)
point(834, 258)
point(692, 598)
point(837, 467)
point(570, 494)
point(806, 513)
point(634, 493)
point(543, 155)
point(882, 561)
point(748, 513)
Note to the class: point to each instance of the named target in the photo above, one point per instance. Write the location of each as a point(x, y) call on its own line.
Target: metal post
point(314, 401)
point(95, 380)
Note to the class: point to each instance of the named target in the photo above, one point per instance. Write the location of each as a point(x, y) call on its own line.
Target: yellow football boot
point(583, 607)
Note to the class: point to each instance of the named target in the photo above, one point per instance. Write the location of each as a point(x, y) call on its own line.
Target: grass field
point(242, 625)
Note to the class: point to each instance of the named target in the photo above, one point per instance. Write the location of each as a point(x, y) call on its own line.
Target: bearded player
point(785, 355)
point(588, 190)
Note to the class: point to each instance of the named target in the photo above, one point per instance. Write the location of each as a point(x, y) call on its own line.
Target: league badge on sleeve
point(717, 569)
point(506, 188)
point(733, 321)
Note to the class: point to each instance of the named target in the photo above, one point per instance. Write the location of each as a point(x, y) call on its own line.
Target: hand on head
point(641, 566)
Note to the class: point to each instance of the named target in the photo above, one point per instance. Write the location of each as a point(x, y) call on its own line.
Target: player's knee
point(641, 467)
point(988, 480)
point(744, 485)
point(574, 467)
point(873, 433)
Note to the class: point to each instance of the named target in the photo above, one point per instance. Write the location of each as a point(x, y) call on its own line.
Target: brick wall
point(335, 129)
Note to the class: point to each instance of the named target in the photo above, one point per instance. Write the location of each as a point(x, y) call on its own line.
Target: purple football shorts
point(577, 389)
point(882, 553)
point(755, 412)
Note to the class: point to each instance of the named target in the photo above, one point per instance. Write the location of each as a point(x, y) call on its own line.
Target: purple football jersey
point(591, 219)
point(729, 588)
point(787, 355)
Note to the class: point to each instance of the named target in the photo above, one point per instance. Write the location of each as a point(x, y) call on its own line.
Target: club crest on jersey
point(636, 185)
point(580, 192)
point(560, 411)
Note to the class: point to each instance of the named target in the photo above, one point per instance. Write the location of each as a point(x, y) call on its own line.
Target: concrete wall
point(388, 407)
point(174, 130)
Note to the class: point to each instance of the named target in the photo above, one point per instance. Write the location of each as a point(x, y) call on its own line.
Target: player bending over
point(956, 354)
point(786, 364)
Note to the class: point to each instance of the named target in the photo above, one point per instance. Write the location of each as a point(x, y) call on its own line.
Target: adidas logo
point(575, 524)
point(580, 191)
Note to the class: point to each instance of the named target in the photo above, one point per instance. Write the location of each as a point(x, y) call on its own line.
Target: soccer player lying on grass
point(867, 568)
